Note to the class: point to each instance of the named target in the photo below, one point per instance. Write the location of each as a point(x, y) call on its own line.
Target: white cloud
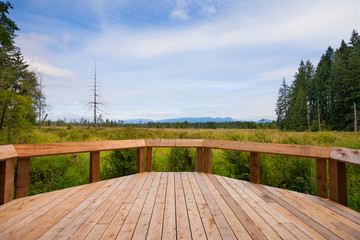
point(180, 14)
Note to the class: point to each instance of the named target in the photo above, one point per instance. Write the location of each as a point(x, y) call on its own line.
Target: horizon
point(170, 59)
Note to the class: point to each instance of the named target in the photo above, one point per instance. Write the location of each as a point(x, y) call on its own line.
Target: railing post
point(22, 177)
point(321, 178)
point(140, 159)
point(199, 159)
point(7, 171)
point(207, 160)
point(254, 167)
point(337, 178)
point(94, 166)
point(149, 159)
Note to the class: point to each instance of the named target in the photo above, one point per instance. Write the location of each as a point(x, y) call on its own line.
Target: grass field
point(56, 172)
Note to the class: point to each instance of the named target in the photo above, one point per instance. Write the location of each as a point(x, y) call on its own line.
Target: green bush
point(180, 160)
point(119, 163)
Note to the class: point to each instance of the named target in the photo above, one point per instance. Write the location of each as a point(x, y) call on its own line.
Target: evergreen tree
point(321, 92)
point(282, 104)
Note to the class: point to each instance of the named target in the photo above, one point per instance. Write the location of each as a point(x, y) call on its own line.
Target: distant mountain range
point(193, 120)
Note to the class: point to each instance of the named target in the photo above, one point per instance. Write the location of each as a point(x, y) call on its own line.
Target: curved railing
point(337, 158)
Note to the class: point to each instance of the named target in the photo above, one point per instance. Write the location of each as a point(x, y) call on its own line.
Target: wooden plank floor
point(176, 206)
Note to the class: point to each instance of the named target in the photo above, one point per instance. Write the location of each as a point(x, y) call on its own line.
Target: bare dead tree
point(97, 99)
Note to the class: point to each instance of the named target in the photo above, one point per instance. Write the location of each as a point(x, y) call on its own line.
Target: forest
point(323, 97)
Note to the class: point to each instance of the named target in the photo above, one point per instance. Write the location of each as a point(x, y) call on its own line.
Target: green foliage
point(58, 172)
point(239, 164)
point(328, 92)
point(119, 163)
point(7, 26)
point(19, 88)
point(181, 160)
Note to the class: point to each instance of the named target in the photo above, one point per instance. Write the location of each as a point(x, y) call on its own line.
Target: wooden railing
point(337, 158)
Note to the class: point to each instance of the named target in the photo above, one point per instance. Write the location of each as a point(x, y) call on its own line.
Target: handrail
point(335, 157)
point(345, 155)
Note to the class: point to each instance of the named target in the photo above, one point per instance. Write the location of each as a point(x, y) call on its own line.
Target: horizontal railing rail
point(336, 158)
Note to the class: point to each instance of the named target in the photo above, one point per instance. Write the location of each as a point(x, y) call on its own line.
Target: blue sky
point(175, 58)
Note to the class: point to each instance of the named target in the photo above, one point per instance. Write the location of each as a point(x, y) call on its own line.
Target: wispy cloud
point(173, 58)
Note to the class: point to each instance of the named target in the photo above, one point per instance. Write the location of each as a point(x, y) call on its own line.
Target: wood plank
point(348, 229)
point(24, 213)
point(308, 217)
point(314, 211)
point(128, 185)
point(7, 171)
point(254, 167)
point(199, 159)
point(50, 214)
point(117, 223)
point(271, 148)
point(142, 226)
point(277, 226)
point(196, 227)
point(288, 224)
point(118, 220)
point(247, 216)
point(297, 222)
point(235, 224)
point(335, 216)
point(321, 178)
point(219, 218)
point(94, 166)
point(91, 215)
point(184, 143)
point(182, 218)
point(207, 160)
point(149, 159)
point(208, 221)
point(140, 159)
point(7, 152)
point(129, 225)
point(169, 226)
point(22, 179)
point(346, 155)
point(337, 179)
point(156, 222)
point(336, 207)
point(58, 227)
point(75, 218)
point(96, 232)
point(48, 149)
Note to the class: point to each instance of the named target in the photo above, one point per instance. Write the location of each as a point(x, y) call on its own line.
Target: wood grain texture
point(48, 149)
point(7, 152)
point(337, 179)
point(207, 160)
point(199, 159)
point(94, 167)
point(22, 179)
point(140, 159)
point(193, 205)
point(321, 178)
point(255, 167)
point(271, 148)
point(149, 159)
point(7, 172)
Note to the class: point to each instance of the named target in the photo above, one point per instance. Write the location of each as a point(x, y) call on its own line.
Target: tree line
point(197, 125)
point(323, 97)
point(20, 93)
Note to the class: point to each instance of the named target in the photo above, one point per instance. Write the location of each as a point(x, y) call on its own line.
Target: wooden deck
point(176, 205)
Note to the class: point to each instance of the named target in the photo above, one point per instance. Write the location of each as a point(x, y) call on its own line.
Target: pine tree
point(282, 104)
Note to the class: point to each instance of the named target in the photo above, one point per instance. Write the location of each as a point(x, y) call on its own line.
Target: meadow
point(57, 172)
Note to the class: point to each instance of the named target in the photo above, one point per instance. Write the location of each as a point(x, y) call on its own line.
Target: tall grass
point(56, 172)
